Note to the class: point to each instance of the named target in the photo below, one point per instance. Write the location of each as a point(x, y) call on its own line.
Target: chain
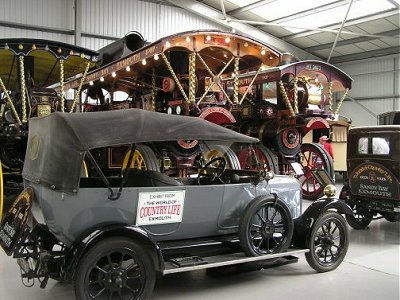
point(78, 92)
point(286, 98)
point(236, 81)
point(295, 100)
point(341, 101)
point(23, 90)
point(330, 94)
point(192, 77)
point(174, 76)
point(10, 102)
point(153, 90)
point(62, 85)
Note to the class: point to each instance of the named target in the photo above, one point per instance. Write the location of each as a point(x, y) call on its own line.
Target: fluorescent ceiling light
point(358, 9)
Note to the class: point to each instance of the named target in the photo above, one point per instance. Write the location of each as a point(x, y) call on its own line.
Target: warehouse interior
point(360, 37)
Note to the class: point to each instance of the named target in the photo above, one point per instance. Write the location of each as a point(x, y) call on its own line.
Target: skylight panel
point(359, 9)
point(242, 3)
point(282, 8)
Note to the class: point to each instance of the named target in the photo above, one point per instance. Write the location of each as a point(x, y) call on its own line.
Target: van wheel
point(266, 227)
point(115, 268)
point(328, 242)
point(360, 218)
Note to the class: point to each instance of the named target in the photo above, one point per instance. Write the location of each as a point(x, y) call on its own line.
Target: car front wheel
point(328, 242)
point(115, 268)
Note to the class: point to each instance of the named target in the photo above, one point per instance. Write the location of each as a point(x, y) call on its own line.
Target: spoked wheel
point(315, 157)
point(328, 242)
point(267, 159)
point(144, 158)
point(232, 161)
point(361, 218)
point(115, 268)
point(266, 227)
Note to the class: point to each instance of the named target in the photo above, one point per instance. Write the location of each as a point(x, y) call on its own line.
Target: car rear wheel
point(328, 242)
point(115, 268)
point(266, 227)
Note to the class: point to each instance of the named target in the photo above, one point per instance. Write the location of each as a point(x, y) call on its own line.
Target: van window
point(374, 145)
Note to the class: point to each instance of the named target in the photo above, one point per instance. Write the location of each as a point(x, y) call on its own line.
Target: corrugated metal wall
point(375, 87)
point(153, 21)
point(104, 18)
point(49, 13)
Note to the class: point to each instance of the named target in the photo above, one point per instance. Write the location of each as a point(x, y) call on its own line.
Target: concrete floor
point(369, 271)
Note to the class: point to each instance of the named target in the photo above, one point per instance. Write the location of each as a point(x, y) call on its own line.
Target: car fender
point(79, 248)
point(304, 223)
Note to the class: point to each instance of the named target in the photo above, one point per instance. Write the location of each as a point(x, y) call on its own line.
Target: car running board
point(192, 263)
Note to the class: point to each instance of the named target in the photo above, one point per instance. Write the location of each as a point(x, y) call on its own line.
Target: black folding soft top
point(57, 143)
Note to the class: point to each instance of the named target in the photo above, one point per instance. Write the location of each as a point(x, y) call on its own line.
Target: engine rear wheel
point(315, 157)
point(266, 158)
point(232, 161)
point(144, 158)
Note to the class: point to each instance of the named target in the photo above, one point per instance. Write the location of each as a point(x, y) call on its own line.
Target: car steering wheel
point(215, 172)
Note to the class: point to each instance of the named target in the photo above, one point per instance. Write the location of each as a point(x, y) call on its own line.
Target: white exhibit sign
point(160, 207)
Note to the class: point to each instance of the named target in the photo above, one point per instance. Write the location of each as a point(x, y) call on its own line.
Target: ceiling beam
point(352, 41)
point(389, 13)
point(340, 30)
point(215, 15)
point(223, 9)
point(365, 55)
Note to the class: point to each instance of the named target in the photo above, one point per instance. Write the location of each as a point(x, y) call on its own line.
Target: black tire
point(391, 216)
point(266, 227)
point(113, 267)
point(149, 158)
point(360, 219)
point(328, 242)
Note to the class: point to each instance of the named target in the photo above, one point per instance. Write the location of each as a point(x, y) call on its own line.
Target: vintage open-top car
point(373, 164)
point(110, 235)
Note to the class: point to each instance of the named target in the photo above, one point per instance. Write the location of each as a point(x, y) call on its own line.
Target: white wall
point(375, 86)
